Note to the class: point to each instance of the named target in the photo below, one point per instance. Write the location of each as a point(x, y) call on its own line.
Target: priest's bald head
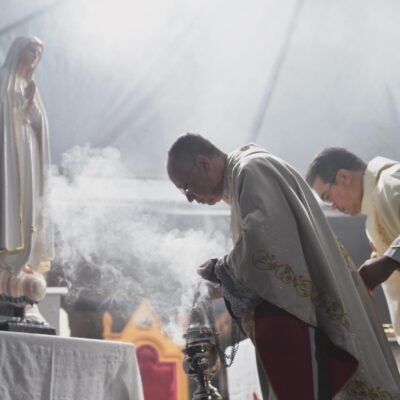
point(196, 167)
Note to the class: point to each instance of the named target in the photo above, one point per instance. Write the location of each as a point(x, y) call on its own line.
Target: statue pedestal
point(12, 320)
point(10, 311)
point(26, 327)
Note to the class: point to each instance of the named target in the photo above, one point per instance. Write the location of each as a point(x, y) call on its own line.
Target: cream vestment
point(381, 204)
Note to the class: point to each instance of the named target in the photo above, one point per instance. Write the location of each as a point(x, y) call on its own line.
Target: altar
point(40, 367)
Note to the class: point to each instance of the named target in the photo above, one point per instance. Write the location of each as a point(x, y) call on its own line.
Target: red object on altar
point(158, 378)
point(160, 359)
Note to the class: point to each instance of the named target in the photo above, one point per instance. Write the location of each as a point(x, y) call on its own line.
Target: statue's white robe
point(25, 233)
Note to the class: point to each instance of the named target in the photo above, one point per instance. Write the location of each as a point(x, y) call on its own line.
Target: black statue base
point(27, 327)
point(9, 310)
point(12, 320)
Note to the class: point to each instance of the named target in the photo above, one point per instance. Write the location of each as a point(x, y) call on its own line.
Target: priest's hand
point(207, 270)
point(375, 271)
point(214, 290)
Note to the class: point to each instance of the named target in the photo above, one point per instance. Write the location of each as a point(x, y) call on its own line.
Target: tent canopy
point(292, 75)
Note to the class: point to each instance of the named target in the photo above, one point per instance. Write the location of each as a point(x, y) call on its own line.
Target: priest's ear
point(203, 163)
point(344, 177)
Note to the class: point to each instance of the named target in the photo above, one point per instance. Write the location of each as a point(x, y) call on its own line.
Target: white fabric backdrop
point(293, 75)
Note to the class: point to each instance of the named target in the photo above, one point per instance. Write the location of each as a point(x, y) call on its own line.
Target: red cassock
point(284, 348)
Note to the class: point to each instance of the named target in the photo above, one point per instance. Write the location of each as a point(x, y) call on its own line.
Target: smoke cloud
point(114, 248)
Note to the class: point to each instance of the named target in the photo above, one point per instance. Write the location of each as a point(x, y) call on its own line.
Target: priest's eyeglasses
point(326, 195)
point(187, 191)
point(187, 188)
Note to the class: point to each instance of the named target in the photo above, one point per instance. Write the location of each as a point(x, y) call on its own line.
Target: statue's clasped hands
point(30, 92)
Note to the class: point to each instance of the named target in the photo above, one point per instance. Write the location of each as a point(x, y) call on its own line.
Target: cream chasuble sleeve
point(387, 202)
point(382, 200)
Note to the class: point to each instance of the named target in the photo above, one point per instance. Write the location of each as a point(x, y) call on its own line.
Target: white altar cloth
point(40, 367)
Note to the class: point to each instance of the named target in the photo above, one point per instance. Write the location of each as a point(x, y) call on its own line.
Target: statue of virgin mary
point(26, 238)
